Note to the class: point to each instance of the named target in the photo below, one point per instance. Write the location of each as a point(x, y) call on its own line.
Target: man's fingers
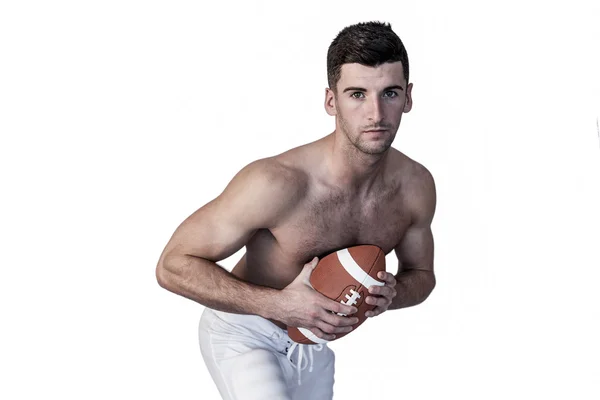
point(336, 307)
point(338, 320)
point(306, 272)
point(331, 329)
point(312, 264)
point(382, 290)
point(387, 277)
point(320, 334)
point(381, 295)
point(378, 301)
point(376, 311)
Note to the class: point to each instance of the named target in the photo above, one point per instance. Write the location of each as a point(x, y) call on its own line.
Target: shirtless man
point(347, 188)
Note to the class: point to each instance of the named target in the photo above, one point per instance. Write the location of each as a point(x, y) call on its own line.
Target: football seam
point(361, 283)
point(369, 272)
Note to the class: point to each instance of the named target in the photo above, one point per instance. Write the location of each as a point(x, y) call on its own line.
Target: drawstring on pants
point(301, 349)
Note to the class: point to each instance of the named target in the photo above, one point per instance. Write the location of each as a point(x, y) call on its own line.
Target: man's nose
point(375, 111)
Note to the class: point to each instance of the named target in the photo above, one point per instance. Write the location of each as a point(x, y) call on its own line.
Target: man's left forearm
point(413, 287)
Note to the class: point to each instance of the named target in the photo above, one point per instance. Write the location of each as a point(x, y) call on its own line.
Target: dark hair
point(366, 43)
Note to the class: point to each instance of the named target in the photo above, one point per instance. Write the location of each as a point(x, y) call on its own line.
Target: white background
point(118, 119)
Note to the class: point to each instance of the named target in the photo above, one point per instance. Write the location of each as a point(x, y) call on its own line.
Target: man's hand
point(299, 305)
point(383, 295)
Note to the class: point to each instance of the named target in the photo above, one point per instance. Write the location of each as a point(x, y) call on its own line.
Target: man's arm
point(415, 278)
point(257, 197)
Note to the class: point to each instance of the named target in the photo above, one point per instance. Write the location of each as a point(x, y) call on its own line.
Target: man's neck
point(351, 169)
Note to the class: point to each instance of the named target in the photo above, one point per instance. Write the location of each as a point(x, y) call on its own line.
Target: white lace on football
point(350, 300)
point(298, 366)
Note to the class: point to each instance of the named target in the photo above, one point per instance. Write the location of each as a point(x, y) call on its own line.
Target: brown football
point(345, 276)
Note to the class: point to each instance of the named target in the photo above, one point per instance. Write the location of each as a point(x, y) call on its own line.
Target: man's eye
point(357, 97)
point(391, 94)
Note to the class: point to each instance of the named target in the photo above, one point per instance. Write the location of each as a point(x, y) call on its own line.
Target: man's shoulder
point(276, 175)
point(266, 189)
point(418, 185)
point(411, 171)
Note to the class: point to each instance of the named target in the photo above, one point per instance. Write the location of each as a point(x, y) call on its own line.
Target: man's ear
point(330, 106)
point(408, 103)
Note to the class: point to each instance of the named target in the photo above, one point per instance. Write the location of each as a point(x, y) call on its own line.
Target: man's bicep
point(211, 232)
point(415, 249)
point(251, 201)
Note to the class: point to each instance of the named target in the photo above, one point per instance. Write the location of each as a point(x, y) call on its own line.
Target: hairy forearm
point(207, 283)
point(412, 288)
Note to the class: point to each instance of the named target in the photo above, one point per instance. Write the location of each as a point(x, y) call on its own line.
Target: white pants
point(250, 358)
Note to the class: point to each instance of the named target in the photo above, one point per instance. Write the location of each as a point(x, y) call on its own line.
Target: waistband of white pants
point(250, 321)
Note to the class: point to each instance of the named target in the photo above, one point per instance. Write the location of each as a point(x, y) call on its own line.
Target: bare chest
point(335, 222)
point(275, 257)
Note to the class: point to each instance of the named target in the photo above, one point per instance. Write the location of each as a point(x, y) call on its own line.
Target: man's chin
point(374, 150)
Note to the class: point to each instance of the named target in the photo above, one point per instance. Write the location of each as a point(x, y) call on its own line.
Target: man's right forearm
point(210, 285)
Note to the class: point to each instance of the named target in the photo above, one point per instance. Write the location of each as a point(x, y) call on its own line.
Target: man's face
point(370, 98)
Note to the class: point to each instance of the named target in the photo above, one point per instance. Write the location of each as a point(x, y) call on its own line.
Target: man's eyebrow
point(354, 88)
